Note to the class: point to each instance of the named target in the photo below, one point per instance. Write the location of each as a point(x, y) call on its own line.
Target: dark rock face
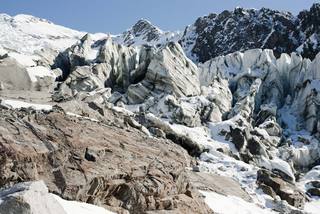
point(243, 29)
point(314, 189)
point(310, 28)
point(254, 146)
point(272, 184)
point(238, 137)
point(314, 192)
point(119, 168)
point(315, 184)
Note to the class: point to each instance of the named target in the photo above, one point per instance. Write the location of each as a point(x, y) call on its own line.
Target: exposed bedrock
point(108, 165)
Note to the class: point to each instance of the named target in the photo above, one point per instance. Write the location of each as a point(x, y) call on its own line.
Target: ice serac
point(273, 121)
point(278, 81)
point(91, 65)
point(171, 72)
point(137, 72)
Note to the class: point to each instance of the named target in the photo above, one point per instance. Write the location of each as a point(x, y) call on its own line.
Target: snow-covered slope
point(75, 207)
point(27, 34)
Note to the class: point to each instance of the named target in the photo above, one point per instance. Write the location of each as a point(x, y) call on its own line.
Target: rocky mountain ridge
point(210, 36)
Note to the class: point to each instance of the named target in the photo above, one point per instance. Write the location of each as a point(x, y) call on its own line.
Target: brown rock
point(94, 162)
point(284, 189)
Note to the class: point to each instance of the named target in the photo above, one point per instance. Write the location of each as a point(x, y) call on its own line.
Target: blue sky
point(115, 16)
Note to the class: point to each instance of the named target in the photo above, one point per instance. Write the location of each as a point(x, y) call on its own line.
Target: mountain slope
point(241, 29)
point(244, 29)
point(26, 34)
point(144, 32)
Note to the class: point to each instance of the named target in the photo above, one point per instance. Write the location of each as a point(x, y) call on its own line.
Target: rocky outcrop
point(310, 28)
point(227, 32)
point(217, 183)
point(314, 188)
point(273, 185)
point(120, 168)
point(243, 29)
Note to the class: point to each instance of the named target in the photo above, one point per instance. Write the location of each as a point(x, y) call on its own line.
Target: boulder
point(315, 184)
point(29, 198)
point(238, 137)
point(285, 190)
point(13, 75)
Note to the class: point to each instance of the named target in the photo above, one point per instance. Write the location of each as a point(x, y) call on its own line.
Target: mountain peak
point(143, 25)
point(143, 21)
point(143, 31)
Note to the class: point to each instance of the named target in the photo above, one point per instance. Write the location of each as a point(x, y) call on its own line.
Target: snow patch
point(39, 71)
point(232, 204)
point(17, 104)
point(72, 207)
point(23, 59)
point(79, 116)
point(312, 207)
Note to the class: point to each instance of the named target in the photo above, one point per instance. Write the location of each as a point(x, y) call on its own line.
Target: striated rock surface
point(96, 162)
